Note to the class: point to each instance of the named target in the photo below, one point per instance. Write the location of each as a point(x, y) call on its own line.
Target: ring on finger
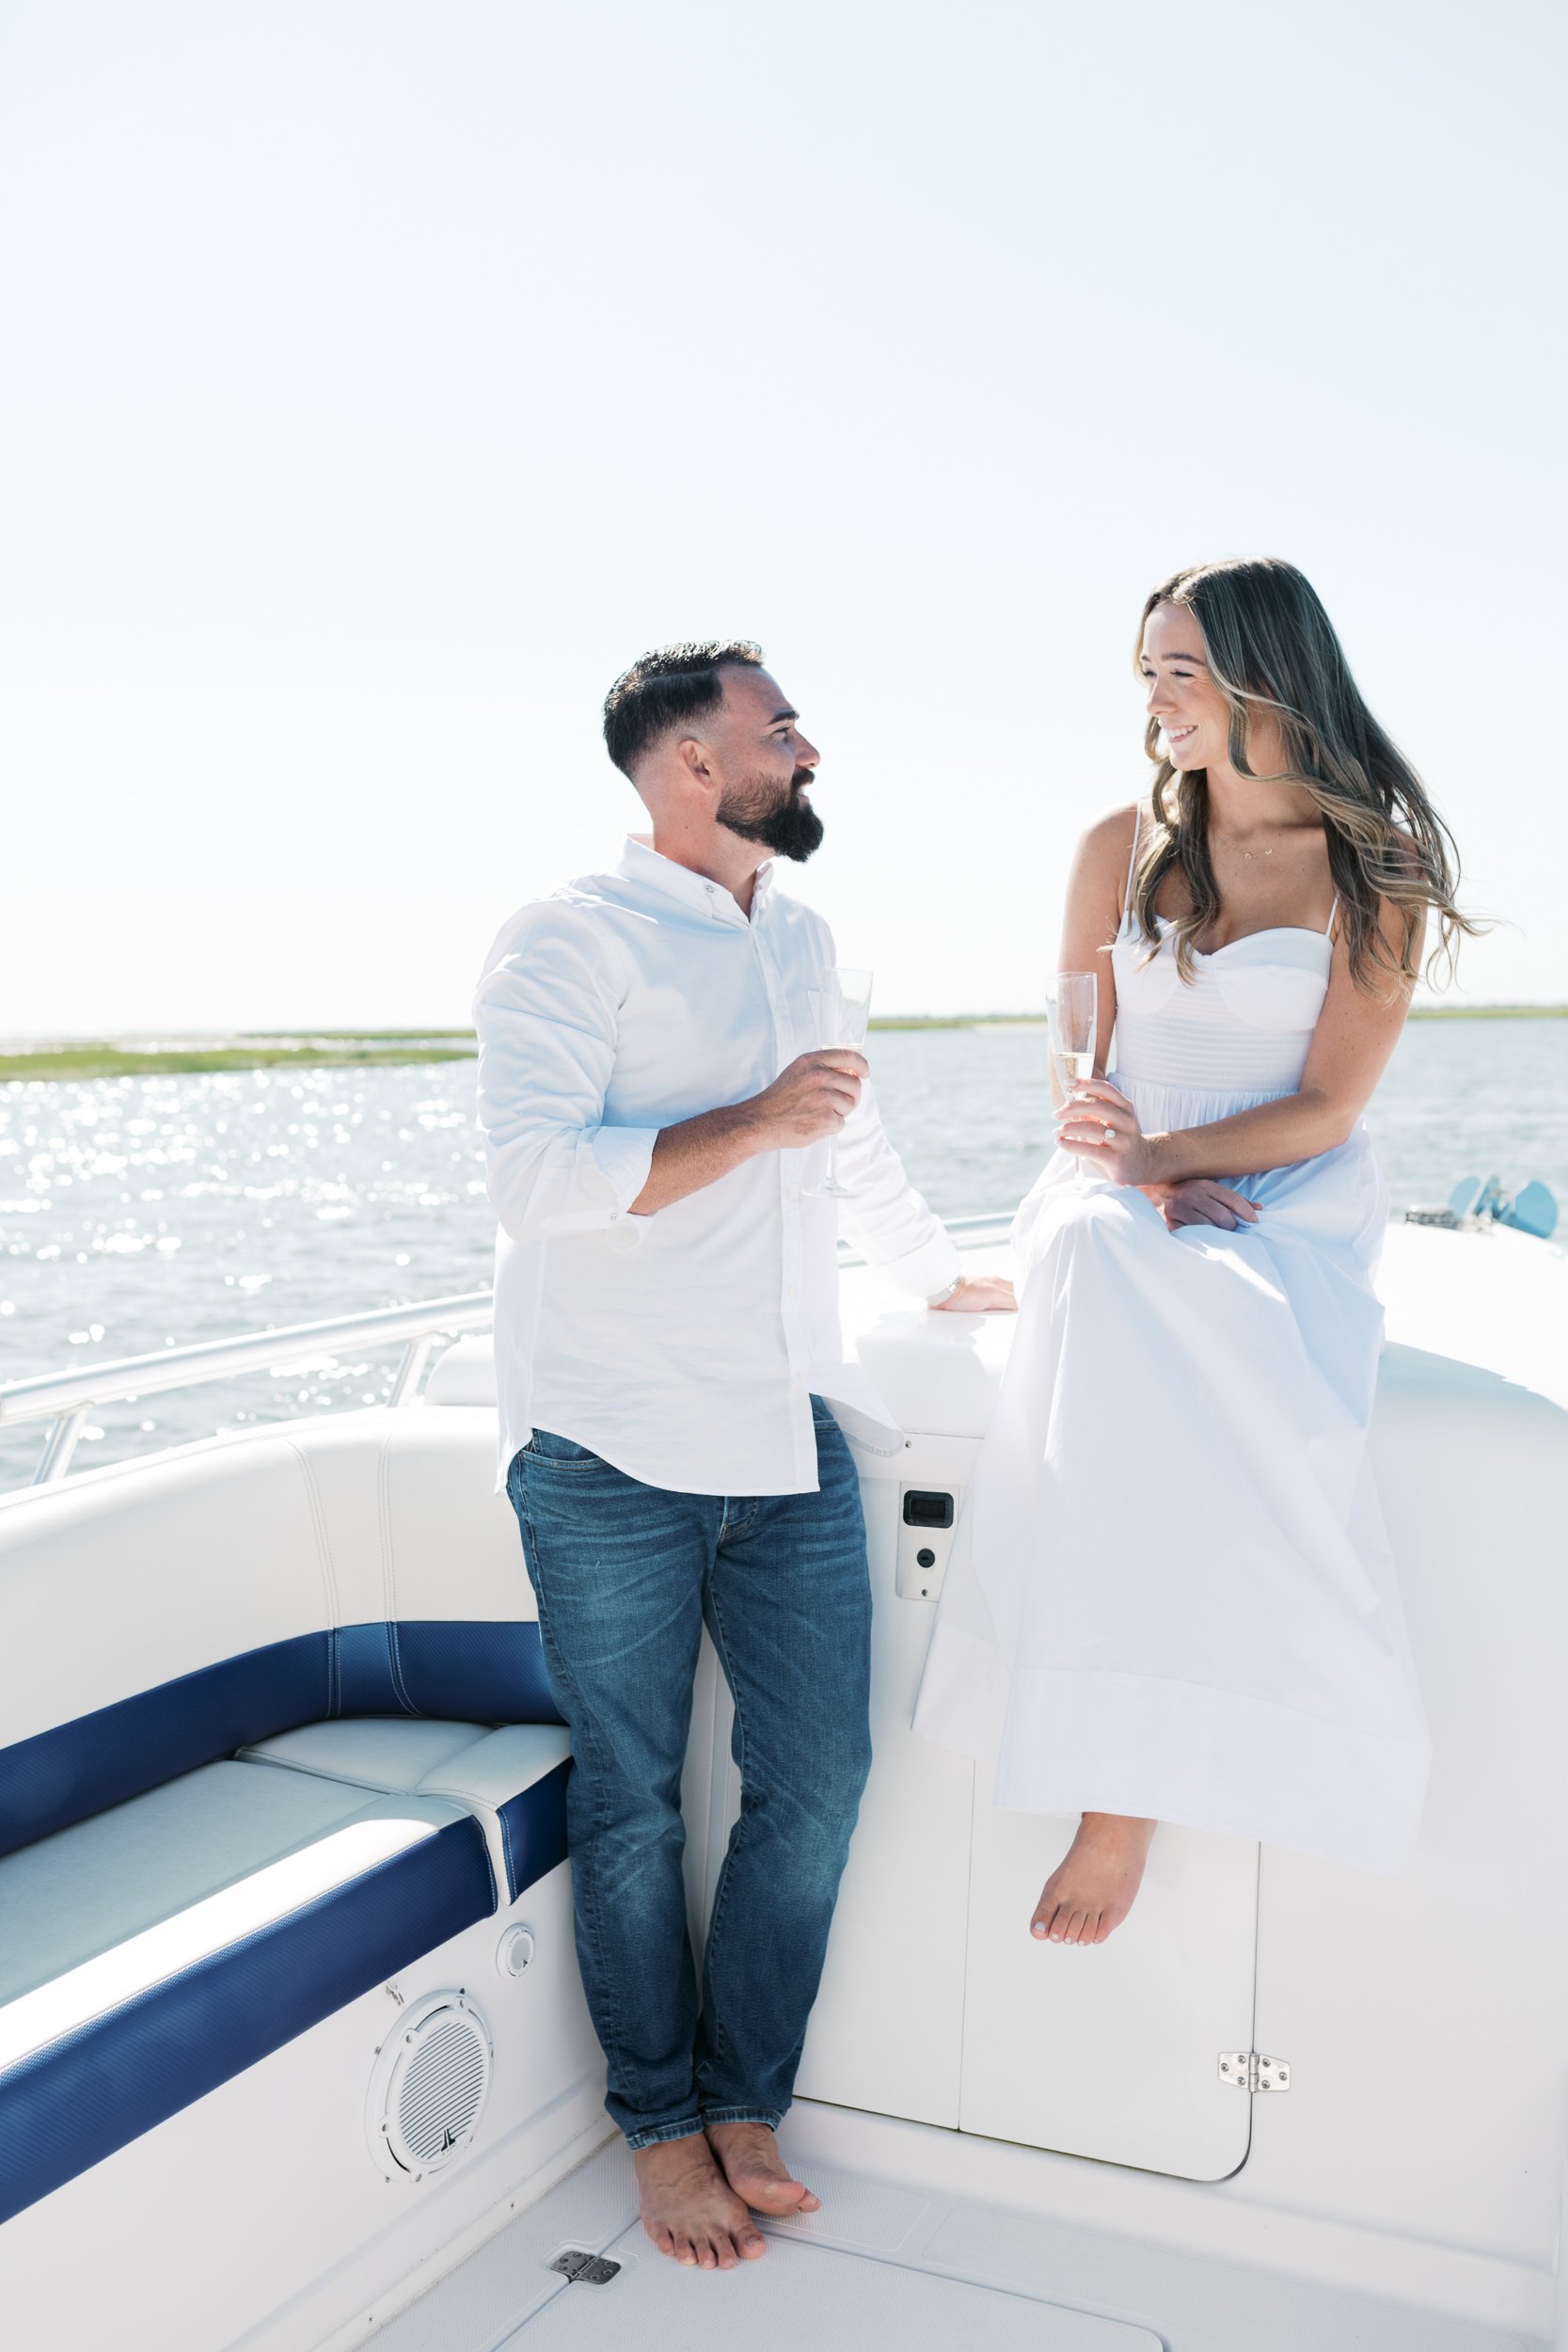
point(1110, 1133)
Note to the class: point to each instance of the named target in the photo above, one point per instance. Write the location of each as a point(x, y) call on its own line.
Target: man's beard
point(789, 827)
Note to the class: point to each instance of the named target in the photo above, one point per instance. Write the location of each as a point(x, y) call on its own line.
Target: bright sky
point(381, 376)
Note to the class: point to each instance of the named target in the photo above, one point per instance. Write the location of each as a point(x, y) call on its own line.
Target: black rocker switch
point(927, 1510)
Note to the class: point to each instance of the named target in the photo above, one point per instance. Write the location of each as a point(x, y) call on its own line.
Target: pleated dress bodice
point(1240, 1027)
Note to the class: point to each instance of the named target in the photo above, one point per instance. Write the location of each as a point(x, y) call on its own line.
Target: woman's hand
point(1100, 1127)
point(1200, 1200)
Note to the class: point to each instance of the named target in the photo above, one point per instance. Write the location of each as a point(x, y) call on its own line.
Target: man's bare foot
point(688, 2208)
point(1091, 1889)
point(757, 2172)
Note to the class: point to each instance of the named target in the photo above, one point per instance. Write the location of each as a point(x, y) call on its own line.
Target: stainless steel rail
point(66, 1398)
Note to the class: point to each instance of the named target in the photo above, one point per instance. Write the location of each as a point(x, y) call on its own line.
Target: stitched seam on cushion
point(384, 1527)
point(318, 1521)
point(320, 1772)
point(329, 1580)
point(469, 1796)
point(389, 1572)
point(395, 1657)
point(489, 1810)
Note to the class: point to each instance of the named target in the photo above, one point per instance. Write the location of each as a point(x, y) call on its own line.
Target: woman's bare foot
point(757, 2172)
point(688, 2209)
point(1091, 1889)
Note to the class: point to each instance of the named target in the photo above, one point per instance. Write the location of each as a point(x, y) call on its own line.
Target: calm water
point(137, 1210)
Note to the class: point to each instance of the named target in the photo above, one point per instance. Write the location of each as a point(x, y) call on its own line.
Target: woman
point(1171, 1596)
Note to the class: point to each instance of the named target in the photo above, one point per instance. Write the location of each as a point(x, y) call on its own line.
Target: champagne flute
point(1073, 1014)
point(841, 1008)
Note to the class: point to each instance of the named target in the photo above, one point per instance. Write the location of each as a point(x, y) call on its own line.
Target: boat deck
point(890, 2265)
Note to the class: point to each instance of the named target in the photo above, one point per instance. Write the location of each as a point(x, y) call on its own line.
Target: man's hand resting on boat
point(981, 1295)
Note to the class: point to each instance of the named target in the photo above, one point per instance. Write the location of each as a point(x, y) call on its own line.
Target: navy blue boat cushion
point(533, 1829)
point(476, 1671)
point(100, 2055)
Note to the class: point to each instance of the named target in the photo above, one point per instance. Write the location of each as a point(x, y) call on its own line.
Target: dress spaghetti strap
point(1328, 927)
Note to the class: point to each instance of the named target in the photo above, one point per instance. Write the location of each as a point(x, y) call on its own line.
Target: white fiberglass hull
point(1050, 2132)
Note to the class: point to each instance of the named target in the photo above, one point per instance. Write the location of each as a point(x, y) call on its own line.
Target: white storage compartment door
point(1111, 2050)
point(887, 2031)
point(936, 2002)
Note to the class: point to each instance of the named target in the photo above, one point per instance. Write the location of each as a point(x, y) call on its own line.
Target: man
point(655, 1103)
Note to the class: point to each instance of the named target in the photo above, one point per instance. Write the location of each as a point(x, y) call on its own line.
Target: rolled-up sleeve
point(546, 1014)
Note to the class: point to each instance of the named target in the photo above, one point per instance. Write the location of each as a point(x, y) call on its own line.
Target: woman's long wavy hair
point(1272, 648)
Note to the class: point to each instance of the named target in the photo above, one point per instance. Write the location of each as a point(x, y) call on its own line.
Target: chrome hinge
point(585, 2270)
point(1249, 2070)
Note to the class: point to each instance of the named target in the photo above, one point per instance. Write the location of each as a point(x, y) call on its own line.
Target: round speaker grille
point(430, 2083)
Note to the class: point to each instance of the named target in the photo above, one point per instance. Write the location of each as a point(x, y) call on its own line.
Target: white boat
point(293, 2054)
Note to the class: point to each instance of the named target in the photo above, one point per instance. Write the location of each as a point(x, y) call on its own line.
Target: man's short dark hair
point(666, 688)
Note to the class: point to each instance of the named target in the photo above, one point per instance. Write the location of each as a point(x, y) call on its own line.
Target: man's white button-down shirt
point(682, 1347)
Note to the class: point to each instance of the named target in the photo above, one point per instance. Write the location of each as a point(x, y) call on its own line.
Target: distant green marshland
point(332, 1049)
point(120, 1058)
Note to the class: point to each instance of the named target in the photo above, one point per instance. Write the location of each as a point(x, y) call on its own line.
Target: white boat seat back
point(465, 1375)
point(238, 1590)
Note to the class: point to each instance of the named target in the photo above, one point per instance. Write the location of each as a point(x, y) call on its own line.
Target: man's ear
point(694, 760)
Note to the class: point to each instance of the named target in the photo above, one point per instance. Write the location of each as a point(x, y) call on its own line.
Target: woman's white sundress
point(1170, 1593)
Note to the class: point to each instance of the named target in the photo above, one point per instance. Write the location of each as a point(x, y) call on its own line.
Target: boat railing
point(64, 1399)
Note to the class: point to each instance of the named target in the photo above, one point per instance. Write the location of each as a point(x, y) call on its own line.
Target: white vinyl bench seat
point(310, 1741)
point(155, 1950)
point(513, 1779)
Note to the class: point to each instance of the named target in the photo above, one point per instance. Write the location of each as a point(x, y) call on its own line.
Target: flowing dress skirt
point(1170, 1592)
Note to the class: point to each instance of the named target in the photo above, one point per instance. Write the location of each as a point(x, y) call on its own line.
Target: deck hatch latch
point(585, 2270)
point(1249, 2070)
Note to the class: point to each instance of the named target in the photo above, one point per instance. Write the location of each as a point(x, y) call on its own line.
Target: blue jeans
point(626, 1576)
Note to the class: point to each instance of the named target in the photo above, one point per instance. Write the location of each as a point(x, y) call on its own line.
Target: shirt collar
point(642, 863)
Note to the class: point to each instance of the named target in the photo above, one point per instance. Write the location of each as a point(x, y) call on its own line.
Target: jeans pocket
point(560, 1453)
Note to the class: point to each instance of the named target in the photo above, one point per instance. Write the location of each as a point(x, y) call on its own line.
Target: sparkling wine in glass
point(841, 1008)
point(1074, 1018)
